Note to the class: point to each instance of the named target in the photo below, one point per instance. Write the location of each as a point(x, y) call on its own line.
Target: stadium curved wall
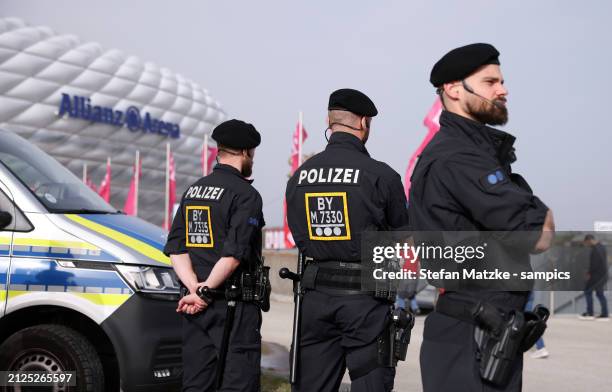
point(81, 104)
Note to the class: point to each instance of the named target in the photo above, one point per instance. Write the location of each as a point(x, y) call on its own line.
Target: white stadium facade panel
point(81, 104)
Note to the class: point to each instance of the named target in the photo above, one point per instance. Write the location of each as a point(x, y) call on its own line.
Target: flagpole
point(167, 202)
point(108, 163)
point(136, 182)
point(300, 119)
point(205, 154)
point(84, 173)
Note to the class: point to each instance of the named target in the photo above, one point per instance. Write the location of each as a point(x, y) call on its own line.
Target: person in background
point(597, 277)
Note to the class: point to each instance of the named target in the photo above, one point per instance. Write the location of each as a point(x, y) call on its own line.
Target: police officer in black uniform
point(463, 182)
point(215, 236)
point(331, 199)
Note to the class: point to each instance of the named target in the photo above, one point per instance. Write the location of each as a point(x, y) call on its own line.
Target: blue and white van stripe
point(68, 250)
point(99, 286)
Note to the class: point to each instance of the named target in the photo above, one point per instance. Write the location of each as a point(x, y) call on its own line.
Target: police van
point(84, 288)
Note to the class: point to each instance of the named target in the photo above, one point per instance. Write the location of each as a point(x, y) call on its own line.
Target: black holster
point(255, 286)
point(501, 334)
point(498, 351)
point(394, 340)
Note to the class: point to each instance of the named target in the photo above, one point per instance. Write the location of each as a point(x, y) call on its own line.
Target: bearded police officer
point(463, 181)
point(331, 199)
point(216, 239)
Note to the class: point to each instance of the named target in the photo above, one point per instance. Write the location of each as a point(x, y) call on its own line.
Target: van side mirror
point(5, 219)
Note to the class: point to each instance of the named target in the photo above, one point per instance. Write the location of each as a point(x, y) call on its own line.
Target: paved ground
point(580, 360)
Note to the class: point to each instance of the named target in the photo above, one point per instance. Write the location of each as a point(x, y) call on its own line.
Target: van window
point(53, 185)
point(19, 222)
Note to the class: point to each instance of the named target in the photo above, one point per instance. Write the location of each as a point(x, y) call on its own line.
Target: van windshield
point(55, 186)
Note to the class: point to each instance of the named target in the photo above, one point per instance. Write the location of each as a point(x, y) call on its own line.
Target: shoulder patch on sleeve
point(493, 178)
point(253, 221)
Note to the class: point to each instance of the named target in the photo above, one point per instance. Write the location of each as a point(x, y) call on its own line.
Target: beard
point(247, 168)
point(492, 113)
point(366, 136)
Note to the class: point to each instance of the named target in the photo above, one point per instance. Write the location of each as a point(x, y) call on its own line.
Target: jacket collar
point(496, 142)
point(221, 167)
point(347, 141)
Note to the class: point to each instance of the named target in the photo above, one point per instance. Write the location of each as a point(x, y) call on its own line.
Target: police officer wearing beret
point(463, 181)
point(216, 235)
point(331, 199)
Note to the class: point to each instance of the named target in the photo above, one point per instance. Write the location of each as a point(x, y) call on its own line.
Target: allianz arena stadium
point(82, 104)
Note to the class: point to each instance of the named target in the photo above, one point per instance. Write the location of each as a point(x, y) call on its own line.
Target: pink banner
point(295, 146)
point(432, 122)
point(295, 162)
point(209, 155)
point(105, 186)
point(131, 207)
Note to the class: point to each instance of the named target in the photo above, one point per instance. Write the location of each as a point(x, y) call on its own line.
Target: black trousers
point(340, 332)
point(202, 334)
point(449, 353)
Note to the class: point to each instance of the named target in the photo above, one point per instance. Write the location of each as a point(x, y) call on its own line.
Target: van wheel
point(53, 349)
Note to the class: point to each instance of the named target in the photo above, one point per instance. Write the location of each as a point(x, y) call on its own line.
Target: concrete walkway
point(580, 360)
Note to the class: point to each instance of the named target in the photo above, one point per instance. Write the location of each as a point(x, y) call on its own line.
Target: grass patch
point(274, 384)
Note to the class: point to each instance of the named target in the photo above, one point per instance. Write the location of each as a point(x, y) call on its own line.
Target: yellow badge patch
point(327, 216)
point(198, 227)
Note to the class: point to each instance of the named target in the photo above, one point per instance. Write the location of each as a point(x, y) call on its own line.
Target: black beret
point(461, 62)
point(353, 101)
point(236, 134)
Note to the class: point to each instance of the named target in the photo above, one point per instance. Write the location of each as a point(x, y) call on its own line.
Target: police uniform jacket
point(337, 194)
point(220, 215)
point(463, 181)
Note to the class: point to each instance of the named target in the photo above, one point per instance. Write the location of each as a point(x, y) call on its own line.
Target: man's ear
point(452, 90)
point(327, 120)
point(364, 123)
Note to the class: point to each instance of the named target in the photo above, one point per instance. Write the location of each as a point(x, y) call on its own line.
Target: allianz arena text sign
point(81, 107)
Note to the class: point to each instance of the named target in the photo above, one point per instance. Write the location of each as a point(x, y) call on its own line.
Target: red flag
point(432, 122)
point(295, 146)
point(295, 162)
point(131, 203)
point(172, 192)
point(212, 156)
point(105, 186)
point(209, 154)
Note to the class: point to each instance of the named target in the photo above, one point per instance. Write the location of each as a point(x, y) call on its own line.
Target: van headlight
point(150, 280)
